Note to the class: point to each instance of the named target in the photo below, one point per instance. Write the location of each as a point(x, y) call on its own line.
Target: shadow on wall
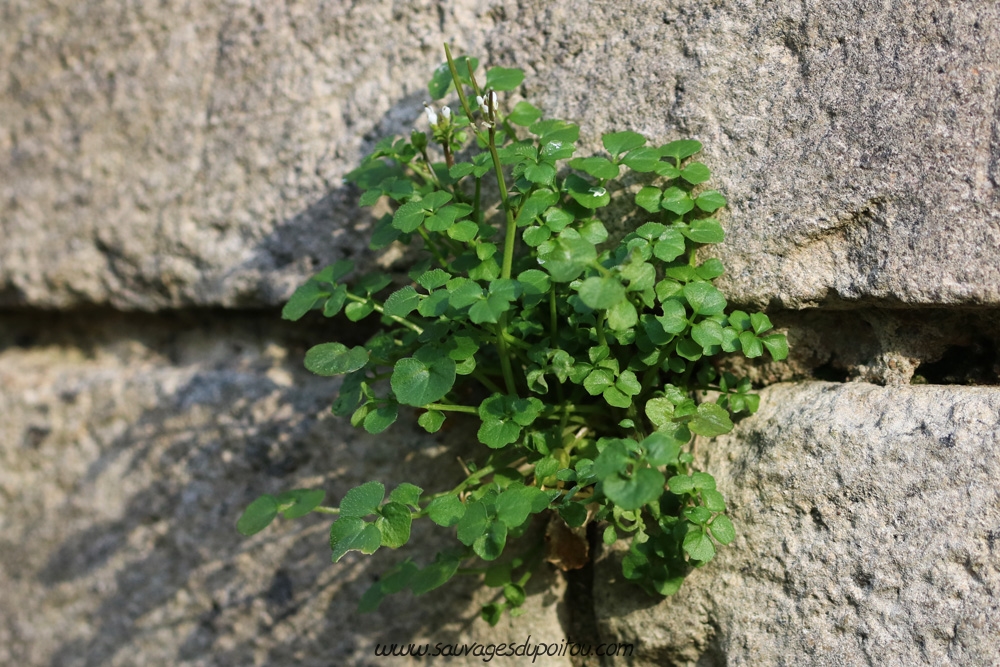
point(225, 413)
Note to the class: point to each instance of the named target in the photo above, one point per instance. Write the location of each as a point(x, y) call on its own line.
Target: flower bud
point(431, 116)
point(446, 112)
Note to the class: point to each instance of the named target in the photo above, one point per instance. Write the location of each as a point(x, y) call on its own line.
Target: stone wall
point(171, 171)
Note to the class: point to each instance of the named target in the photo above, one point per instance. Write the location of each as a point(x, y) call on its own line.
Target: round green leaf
point(524, 114)
point(303, 300)
point(498, 433)
point(680, 484)
point(616, 397)
point(299, 502)
point(711, 420)
point(514, 594)
point(335, 359)
point(705, 230)
point(752, 346)
point(642, 159)
point(566, 256)
point(419, 381)
point(674, 319)
point(431, 421)
point(473, 523)
point(409, 216)
point(394, 525)
point(680, 149)
point(622, 316)
point(714, 502)
point(649, 198)
point(722, 529)
point(598, 167)
point(504, 78)
point(698, 545)
point(446, 510)
point(695, 173)
point(710, 201)
point(490, 544)
point(601, 292)
point(704, 298)
point(777, 345)
point(362, 500)
point(618, 142)
point(381, 418)
point(258, 515)
point(663, 447)
point(669, 246)
point(407, 494)
point(353, 534)
point(645, 486)
point(676, 200)
point(336, 301)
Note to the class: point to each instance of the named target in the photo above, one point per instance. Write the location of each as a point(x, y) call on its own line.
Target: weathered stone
point(868, 522)
point(125, 459)
point(159, 157)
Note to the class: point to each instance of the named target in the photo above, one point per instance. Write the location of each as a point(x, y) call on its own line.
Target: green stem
point(511, 236)
point(381, 311)
point(458, 83)
point(322, 509)
point(508, 263)
point(601, 340)
point(433, 246)
point(553, 316)
point(442, 407)
point(477, 213)
point(486, 382)
point(508, 371)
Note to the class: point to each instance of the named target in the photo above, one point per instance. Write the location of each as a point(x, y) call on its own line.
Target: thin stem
point(430, 170)
point(442, 407)
point(486, 382)
point(553, 316)
point(322, 509)
point(449, 159)
point(458, 83)
point(601, 340)
point(508, 263)
point(381, 311)
point(505, 367)
point(433, 246)
point(511, 232)
point(477, 212)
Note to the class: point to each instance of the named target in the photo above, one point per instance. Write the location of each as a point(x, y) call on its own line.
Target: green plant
point(587, 363)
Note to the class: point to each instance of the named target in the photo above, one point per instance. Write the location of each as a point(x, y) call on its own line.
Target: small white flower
point(431, 116)
point(482, 105)
point(446, 112)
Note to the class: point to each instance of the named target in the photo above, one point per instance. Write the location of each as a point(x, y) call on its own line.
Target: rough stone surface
point(125, 458)
point(158, 157)
point(868, 524)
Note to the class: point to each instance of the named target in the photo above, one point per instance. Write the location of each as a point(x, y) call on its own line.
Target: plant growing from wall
point(587, 363)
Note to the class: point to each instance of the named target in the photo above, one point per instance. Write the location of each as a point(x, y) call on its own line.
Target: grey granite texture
point(868, 532)
point(158, 157)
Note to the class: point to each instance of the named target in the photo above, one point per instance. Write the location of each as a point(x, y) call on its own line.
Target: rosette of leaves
point(592, 360)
